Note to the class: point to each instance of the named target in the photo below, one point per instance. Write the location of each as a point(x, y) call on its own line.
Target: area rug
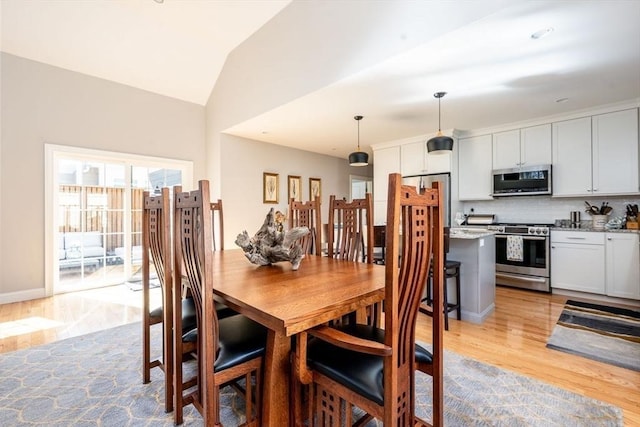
point(598, 332)
point(95, 380)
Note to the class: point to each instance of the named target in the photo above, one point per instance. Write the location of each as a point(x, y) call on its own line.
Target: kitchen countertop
point(589, 229)
point(469, 233)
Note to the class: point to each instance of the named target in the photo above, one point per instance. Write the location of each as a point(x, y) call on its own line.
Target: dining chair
point(307, 214)
point(156, 240)
point(216, 210)
point(372, 368)
point(350, 223)
point(228, 349)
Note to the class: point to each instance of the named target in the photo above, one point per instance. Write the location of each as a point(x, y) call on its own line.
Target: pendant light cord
point(439, 127)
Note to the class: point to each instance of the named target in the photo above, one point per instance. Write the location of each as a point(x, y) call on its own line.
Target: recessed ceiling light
point(562, 100)
point(541, 33)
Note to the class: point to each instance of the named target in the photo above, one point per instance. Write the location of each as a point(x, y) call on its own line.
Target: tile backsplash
point(544, 209)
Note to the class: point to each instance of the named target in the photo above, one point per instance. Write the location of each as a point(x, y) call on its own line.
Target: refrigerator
point(425, 181)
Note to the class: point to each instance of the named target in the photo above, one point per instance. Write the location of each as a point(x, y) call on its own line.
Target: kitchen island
point(476, 249)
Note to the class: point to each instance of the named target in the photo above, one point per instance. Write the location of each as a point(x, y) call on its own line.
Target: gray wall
point(44, 104)
point(244, 162)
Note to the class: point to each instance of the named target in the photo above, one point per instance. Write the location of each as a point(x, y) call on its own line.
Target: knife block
point(632, 225)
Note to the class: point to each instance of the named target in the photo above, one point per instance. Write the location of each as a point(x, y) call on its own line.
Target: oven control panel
point(536, 230)
point(541, 231)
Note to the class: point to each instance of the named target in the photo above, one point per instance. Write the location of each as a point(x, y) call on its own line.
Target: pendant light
point(358, 158)
point(439, 144)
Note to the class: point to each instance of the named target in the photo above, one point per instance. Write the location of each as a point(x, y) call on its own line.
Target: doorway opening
point(359, 186)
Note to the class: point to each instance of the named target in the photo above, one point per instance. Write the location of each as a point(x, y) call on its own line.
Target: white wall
point(44, 104)
point(244, 162)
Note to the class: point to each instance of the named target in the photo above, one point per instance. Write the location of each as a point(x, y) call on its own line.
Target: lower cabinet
point(577, 261)
point(623, 265)
point(596, 262)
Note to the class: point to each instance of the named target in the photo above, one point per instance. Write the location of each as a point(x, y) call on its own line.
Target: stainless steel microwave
point(525, 181)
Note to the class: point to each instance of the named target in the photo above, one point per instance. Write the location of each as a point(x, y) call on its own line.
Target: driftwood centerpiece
point(272, 243)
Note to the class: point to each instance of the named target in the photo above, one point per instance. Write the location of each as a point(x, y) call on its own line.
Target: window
point(94, 220)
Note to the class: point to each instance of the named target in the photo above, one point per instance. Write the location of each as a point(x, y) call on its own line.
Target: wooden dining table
point(287, 302)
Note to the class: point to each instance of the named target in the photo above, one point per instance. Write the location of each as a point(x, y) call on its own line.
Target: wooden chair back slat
point(349, 224)
point(307, 214)
point(216, 211)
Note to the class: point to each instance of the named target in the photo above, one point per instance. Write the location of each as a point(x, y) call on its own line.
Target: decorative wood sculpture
point(270, 244)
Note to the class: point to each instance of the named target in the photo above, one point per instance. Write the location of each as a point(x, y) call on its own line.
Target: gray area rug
point(607, 334)
point(95, 380)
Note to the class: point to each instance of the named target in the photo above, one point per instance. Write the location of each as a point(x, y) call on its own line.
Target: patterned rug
point(598, 332)
point(95, 380)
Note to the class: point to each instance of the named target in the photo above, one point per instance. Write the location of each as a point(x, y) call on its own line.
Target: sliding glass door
point(95, 227)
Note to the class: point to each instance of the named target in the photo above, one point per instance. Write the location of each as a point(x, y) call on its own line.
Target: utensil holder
point(599, 221)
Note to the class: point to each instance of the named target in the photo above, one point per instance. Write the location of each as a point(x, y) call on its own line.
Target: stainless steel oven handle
point(528, 279)
point(504, 236)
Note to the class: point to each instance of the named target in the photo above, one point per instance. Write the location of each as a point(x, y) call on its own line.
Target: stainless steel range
point(522, 255)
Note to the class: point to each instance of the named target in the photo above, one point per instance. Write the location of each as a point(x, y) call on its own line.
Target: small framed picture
point(295, 188)
point(270, 187)
point(315, 188)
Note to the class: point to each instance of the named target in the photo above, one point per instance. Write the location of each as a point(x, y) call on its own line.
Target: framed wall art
point(294, 184)
point(270, 187)
point(315, 188)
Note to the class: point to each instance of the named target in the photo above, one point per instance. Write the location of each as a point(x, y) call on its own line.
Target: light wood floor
point(514, 337)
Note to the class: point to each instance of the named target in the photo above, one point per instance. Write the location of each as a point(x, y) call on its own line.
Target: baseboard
point(596, 297)
point(477, 317)
point(9, 297)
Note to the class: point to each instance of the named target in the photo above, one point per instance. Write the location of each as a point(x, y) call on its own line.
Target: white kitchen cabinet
point(622, 265)
point(596, 156)
point(615, 153)
point(506, 149)
point(578, 261)
point(416, 160)
point(535, 145)
point(572, 157)
point(474, 168)
point(412, 158)
point(529, 146)
point(385, 161)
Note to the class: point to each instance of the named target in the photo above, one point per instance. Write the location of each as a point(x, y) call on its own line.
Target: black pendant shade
point(439, 144)
point(358, 158)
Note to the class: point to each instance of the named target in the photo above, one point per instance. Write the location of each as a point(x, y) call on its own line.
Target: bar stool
point(451, 270)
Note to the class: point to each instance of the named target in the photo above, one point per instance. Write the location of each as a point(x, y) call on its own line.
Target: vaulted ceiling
point(491, 67)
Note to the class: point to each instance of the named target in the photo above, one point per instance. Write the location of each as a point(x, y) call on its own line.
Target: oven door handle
point(528, 279)
point(504, 236)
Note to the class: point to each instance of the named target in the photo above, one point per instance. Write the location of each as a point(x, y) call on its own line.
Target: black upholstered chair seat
point(241, 339)
point(359, 372)
point(189, 313)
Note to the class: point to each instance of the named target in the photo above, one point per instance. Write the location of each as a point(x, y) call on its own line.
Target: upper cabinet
point(522, 147)
point(571, 170)
point(416, 160)
point(596, 155)
point(474, 168)
point(615, 152)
